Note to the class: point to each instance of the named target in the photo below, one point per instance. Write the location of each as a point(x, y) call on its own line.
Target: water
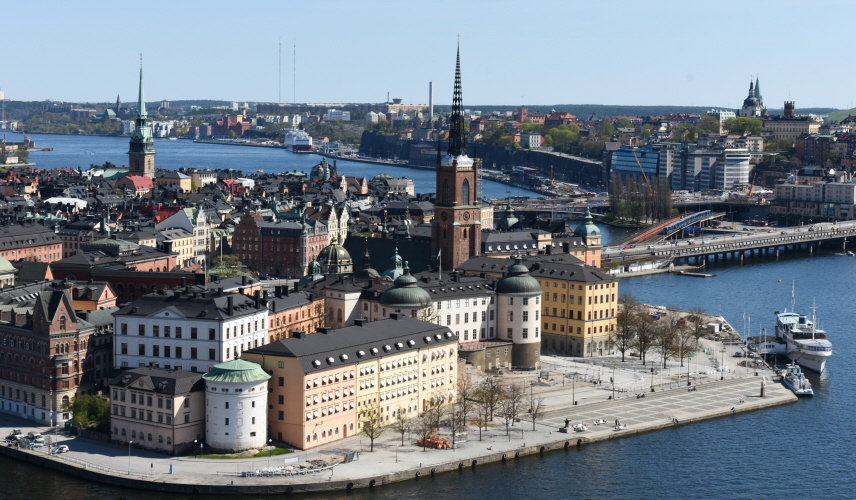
point(800, 449)
point(72, 151)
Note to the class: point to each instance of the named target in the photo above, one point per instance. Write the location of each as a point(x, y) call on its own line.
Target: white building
point(195, 222)
point(236, 404)
point(128, 127)
point(337, 114)
point(530, 140)
point(519, 298)
point(187, 329)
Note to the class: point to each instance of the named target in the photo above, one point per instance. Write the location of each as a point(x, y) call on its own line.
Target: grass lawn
point(262, 454)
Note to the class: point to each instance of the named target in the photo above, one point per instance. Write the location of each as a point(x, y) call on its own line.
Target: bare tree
point(401, 424)
point(644, 339)
point(537, 410)
point(625, 327)
point(482, 413)
point(667, 334)
point(371, 423)
point(511, 405)
point(466, 398)
point(456, 419)
point(698, 323)
point(424, 428)
point(489, 392)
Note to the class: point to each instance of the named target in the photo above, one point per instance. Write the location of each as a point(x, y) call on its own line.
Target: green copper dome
point(405, 293)
point(395, 266)
point(587, 229)
point(314, 273)
point(517, 281)
point(237, 371)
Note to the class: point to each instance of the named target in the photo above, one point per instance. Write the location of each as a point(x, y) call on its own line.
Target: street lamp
point(194, 442)
point(129, 457)
point(269, 450)
point(613, 382)
point(722, 365)
point(652, 377)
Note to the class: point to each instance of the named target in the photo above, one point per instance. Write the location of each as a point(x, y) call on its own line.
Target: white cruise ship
point(297, 140)
point(805, 345)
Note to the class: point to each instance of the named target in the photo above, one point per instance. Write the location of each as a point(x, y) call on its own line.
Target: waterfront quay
point(586, 381)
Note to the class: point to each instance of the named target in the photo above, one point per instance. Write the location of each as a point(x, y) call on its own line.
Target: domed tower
point(314, 273)
point(335, 259)
point(367, 272)
point(396, 266)
point(518, 306)
point(236, 406)
point(508, 219)
point(405, 296)
point(591, 236)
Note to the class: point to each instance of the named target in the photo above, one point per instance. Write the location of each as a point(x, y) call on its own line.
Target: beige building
point(325, 384)
point(781, 128)
point(157, 409)
point(181, 242)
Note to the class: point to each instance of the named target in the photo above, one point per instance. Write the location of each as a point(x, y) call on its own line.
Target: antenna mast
point(279, 95)
point(294, 73)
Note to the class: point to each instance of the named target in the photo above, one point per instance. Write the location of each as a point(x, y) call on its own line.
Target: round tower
point(518, 298)
point(406, 296)
point(236, 406)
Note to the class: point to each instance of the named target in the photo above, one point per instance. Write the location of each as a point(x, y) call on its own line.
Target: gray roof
point(159, 380)
point(346, 346)
point(196, 304)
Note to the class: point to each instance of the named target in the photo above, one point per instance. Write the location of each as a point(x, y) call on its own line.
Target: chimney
point(361, 321)
point(566, 247)
point(395, 316)
point(277, 291)
point(286, 290)
point(183, 281)
point(325, 330)
point(298, 334)
point(243, 280)
point(229, 304)
point(258, 298)
point(295, 286)
point(549, 249)
point(220, 291)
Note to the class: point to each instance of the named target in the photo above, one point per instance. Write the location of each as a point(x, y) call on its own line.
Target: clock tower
point(141, 153)
point(456, 229)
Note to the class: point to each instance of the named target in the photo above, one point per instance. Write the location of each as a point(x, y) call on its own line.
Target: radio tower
point(3, 108)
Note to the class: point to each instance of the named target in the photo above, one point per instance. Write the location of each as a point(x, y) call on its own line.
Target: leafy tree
point(605, 130)
point(530, 127)
point(709, 125)
point(89, 411)
point(743, 125)
point(232, 134)
point(371, 423)
point(623, 123)
point(23, 155)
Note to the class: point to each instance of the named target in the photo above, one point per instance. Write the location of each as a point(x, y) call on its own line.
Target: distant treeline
point(600, 111)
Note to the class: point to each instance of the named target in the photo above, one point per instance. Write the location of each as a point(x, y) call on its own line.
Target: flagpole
point(440, 265)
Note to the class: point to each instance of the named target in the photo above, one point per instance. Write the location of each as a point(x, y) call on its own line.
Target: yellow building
point(181, 243)
point(172, 178)
point(579, 302)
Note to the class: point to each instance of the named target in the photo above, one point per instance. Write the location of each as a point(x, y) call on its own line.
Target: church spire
point(751, 88)
point(757, 88)
point(141, 104)
point(456, 120)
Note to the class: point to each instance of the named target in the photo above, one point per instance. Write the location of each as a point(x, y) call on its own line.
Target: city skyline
point(656, 56)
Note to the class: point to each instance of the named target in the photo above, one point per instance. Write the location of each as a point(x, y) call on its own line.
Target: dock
point(696, 275)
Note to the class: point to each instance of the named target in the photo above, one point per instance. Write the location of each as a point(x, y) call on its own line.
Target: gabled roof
point(159, 380)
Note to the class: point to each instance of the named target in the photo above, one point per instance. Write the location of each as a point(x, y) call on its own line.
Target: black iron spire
point(456, 121)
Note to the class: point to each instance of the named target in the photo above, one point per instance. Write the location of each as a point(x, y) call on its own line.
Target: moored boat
point(795, 380)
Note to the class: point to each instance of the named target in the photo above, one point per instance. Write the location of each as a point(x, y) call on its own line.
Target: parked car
point(784, 232)
point(59, 449)
point(35, 437)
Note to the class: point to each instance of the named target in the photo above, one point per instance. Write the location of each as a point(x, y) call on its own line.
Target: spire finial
point(141, 104)
point(456, 125)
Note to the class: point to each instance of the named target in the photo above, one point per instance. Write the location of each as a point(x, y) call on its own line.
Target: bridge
point(738, 245)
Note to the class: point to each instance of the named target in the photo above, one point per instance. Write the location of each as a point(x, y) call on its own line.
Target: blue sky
point(512, 52)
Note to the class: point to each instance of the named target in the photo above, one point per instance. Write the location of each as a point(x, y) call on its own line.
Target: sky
point(512, 52)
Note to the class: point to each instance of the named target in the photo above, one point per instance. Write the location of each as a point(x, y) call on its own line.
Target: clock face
point(444, 216)
point(466, 216)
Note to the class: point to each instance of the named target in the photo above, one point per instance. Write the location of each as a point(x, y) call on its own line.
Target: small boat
point(794, 379)
point(173, 138)
point(849, 253)
point(260, 171)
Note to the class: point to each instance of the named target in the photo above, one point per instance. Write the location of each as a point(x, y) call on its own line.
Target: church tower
point(456, 229)
point(141, 154)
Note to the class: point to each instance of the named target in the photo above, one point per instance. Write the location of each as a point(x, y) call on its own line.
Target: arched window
point(446, 193)
point(124, 433)
point(169, 440)
point(150, 436)
point(65, 400)
point(465, 192)
point(62, 322)
point(160, 439)
point(134, 434)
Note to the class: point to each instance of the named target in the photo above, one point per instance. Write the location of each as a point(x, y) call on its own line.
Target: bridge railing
point(686, 221)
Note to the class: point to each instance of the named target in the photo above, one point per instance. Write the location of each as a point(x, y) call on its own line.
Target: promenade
point(392, 462)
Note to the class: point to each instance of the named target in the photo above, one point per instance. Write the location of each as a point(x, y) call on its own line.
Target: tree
point(697, 323)
point(709, 125)
point(227, 266)
point(89, 411)
point(666, 336)
point(23, 155)
point(537, 410)
point(511, 405)
point(371, 423)
point(489, 394)
point(401, 424)
point(457, 420)
point(232, 134)
point(466, 398)
point(427, 422)
point(644, 339)
point(743, 125)
point(483, 417)
point(629, 309)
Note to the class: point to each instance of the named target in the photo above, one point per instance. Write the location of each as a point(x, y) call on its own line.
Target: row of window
point(597, 329)
point(467, 317)
point(475, 334)
point(142, 436)
point(324, 434)
point(194, 332)
point(458, 303)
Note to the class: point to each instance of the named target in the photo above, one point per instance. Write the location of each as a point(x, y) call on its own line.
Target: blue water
point(72, 151)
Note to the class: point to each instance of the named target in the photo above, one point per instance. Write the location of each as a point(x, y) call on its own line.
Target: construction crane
point(650, 189)
point(751, 187)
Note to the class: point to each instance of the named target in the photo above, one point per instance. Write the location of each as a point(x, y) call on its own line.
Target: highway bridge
point(739, 245)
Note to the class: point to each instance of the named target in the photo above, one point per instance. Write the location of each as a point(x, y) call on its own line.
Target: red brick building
point(280, 248)
point(29, 242)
